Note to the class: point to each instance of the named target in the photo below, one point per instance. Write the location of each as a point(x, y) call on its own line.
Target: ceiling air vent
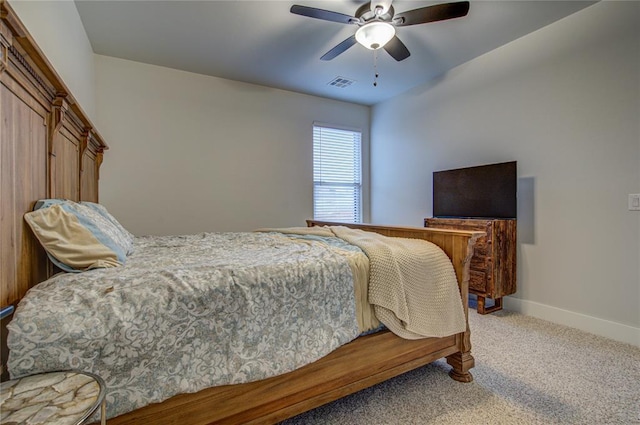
point(341, 82)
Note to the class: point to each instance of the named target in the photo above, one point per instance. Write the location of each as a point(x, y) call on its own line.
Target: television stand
point(493, 265)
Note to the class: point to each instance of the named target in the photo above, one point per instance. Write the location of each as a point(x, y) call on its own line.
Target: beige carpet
point(528, 371)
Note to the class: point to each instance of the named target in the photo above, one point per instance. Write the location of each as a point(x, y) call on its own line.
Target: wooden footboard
point(364, 362)
point(458, 245)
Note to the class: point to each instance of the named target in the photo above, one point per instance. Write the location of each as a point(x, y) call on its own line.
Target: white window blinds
point(337, 183)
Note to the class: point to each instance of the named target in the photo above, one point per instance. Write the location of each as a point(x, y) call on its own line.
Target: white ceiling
point(261, 42)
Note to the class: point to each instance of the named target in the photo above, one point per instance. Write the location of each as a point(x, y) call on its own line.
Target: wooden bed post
point(462, 361)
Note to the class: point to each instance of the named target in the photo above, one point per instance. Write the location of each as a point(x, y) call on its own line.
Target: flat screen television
point(485, 191)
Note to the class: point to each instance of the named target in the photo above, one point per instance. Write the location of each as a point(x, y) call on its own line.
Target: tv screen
point(485, 191)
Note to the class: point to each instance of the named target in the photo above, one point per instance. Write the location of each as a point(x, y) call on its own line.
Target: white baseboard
point(606, 328)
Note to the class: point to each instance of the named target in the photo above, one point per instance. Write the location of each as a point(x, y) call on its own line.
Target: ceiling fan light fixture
point(375, 35)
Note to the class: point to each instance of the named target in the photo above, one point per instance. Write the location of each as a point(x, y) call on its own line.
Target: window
point(337, 182)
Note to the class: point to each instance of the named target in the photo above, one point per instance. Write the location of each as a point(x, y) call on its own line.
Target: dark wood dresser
point(493, 265)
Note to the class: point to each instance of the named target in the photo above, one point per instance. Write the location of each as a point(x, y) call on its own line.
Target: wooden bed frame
point(50, 149)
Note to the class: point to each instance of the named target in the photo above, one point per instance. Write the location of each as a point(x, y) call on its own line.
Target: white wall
point(192, 153)
point(68, 51)
point(565, 103)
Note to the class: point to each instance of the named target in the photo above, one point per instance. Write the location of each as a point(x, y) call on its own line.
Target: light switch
point(634, 202)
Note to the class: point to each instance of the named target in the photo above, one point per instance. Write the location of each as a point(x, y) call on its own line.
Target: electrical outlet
point(634, 202)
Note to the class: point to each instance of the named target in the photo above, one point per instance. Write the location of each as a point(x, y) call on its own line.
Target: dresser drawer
point(482, 248)
point(477, 281)
point(480, 263)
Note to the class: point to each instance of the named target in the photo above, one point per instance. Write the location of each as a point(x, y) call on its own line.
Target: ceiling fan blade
point(397, 49)
point(439, 12)
point(340, 48)
point(325, 15)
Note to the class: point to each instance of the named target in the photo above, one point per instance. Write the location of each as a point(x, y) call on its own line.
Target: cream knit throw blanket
point(412, 283)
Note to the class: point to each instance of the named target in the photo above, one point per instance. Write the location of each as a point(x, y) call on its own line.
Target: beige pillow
point(69, 243)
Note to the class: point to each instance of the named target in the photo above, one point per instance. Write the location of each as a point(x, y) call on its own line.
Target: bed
point(52, 150)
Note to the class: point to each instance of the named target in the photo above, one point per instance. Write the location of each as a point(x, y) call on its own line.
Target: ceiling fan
point(377, 24)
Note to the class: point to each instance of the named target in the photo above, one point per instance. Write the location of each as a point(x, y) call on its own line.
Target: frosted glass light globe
point(375, 35)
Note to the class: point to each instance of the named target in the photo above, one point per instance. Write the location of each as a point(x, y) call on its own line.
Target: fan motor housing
point(364, 13)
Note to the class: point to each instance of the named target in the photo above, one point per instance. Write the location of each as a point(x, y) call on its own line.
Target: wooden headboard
point(48, 149)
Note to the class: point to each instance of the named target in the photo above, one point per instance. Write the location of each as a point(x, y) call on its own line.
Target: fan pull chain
point(375, 68)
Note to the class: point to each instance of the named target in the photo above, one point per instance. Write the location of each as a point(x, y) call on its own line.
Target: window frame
point(356, 184)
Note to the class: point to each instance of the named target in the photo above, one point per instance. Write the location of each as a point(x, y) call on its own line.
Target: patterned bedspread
point(190, 312)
